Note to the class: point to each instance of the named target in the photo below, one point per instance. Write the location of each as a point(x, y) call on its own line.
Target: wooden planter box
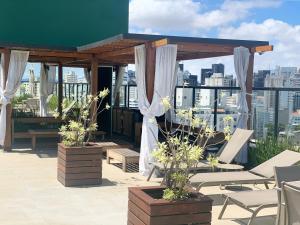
point(79, 166)
point(143, 209)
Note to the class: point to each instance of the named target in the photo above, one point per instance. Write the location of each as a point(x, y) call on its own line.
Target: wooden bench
point(123, 155)
point(105, 145)
point(34, 134)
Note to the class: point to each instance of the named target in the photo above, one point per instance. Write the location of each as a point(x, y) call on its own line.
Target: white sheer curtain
point(241, 63)
point(163, 87)
point(17, 65)
point(87, 75)
point(119, 81)
point(47, 81)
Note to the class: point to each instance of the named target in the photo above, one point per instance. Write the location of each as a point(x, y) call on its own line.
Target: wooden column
point(94, 83)
point(8, 135)
point(249, 85)
point(150, 70)
point(60, 88)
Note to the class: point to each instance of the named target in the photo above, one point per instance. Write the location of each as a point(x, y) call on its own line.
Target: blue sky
point(277, 21)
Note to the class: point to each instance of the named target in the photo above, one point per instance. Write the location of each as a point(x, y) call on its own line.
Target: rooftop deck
point(31, 195)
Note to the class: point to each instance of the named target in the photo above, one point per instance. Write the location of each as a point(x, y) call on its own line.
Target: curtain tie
point(4, 100)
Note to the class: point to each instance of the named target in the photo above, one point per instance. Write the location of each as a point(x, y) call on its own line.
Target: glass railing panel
point(263, 113)
point(227, 107)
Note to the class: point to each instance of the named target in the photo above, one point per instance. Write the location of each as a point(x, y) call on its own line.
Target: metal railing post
point(276, 125)
point(215, 108)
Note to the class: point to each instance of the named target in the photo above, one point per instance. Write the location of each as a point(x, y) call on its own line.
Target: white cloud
point(168, 15)
point(188, 16)
point(284, 37)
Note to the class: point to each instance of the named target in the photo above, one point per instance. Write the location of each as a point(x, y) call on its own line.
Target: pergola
point(119, 50)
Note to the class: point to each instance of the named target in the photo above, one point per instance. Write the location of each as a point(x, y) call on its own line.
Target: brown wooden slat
point(138, 212)
point(79, 163)
point(134, 220)
point(88, 169)
point(181, 219)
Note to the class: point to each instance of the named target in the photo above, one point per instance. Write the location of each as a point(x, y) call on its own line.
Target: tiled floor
point(31, 195)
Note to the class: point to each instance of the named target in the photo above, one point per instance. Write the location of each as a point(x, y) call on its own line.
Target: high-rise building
point(205, 73)
point(259, 78)
point(229, 81)
point(218, 68)
point(180, 75)
point(192, 80)
point(71, 78)
point(217, 79)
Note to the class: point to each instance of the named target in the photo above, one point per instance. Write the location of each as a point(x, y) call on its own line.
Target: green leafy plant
point(269, 147)
point(81, 119)
point(53, 103)
point(182, 149)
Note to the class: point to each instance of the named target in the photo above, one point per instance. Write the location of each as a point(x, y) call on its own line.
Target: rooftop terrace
point(31, 195)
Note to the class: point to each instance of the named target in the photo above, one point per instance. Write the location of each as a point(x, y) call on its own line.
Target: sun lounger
point(291, 197)
point(262, 173)
point(238, 140)
point(255, 201)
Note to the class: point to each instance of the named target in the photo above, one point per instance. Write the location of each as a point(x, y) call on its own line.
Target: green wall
point(61, 23)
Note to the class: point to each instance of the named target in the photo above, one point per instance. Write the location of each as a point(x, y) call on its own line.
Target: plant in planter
point(176, 203)
point(80, 161)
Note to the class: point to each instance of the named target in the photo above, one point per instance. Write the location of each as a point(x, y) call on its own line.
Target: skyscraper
point(205, 73)
point(218, 68)
point(259, 78)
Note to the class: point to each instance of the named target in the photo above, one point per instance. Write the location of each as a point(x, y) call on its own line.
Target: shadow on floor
point(105, 183)
point(260, 220)
point(130, 168)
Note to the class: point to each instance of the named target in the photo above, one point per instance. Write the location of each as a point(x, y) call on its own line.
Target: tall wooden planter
point(145, 209)
point(78, 166)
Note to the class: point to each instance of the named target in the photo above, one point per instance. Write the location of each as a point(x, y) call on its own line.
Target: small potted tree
point(174, 202)
point(79, 160)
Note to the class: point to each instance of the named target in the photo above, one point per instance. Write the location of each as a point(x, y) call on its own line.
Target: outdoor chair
point(261, 174)
point(291, 198)
point(226, 156)
point(255, 201)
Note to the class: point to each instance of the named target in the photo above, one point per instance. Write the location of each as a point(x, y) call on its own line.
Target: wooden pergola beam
point(261, 49)
point(57, 54)
point(160, 43)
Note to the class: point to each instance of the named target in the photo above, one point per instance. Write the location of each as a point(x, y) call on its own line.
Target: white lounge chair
point(238, 140)
point(255, 201)
point(262, 173)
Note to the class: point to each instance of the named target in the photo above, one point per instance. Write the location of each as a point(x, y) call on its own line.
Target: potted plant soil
point(79, 160)
point(175, 202)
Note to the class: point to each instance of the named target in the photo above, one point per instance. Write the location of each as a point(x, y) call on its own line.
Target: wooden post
point(8, 135)
point(60, 88)
point(249, 85)
point(117, 99)
point(94, 83)
point(150, 70)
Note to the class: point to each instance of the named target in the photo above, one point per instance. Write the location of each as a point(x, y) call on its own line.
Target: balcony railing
point(274, 111)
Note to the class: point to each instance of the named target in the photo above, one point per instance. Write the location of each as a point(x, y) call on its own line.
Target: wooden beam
point(207, 48)
point(150, 70)
point(60, 88)
point(59, 54)
point(8, 134)
point(261, 49)
point(249, 85)
point(160, 43)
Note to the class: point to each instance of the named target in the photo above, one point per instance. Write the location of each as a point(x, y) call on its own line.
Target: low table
point(123, 155)
point(41, 133)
